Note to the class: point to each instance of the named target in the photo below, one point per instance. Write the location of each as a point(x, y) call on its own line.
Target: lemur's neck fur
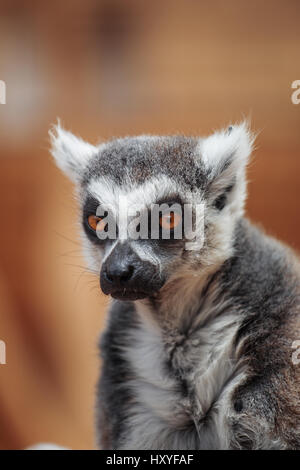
point(187, 297)
point(194, 305)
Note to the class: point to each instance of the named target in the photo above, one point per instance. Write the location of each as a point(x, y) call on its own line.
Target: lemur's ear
point(225, 155)
point(71, 153)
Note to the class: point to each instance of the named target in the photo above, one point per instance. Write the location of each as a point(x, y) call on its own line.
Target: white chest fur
point(182, 399)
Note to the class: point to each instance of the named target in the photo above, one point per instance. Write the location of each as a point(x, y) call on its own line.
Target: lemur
point(197, 350)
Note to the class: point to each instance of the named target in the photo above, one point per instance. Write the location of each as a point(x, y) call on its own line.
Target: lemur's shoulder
point(264, 280)
point(262, 271)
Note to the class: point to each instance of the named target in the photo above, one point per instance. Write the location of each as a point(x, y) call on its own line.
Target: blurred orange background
point(110, 68)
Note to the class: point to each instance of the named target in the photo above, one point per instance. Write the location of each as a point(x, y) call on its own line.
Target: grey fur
point(138, 160)
point(205, 362)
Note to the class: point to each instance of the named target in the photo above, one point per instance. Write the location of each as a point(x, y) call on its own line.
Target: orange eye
point(96, 223)
point(169, 220)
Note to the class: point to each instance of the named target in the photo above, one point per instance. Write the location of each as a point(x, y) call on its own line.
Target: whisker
point(67, 239)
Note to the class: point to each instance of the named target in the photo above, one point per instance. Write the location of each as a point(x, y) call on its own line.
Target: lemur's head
point(153, 208)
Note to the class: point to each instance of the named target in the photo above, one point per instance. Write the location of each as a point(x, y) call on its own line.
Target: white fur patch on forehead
point(234, 142)
point(108, 193)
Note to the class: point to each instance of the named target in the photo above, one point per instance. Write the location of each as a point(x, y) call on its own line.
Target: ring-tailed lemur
point(197, 353)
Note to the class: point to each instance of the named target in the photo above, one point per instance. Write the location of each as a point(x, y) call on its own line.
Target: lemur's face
point(155, 207)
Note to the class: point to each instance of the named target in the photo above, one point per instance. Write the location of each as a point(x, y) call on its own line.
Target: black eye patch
point(164, 233)
point(90, 208)
point(221, 200)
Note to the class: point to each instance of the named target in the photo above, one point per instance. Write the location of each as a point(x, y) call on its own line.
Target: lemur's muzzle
point(126, 277)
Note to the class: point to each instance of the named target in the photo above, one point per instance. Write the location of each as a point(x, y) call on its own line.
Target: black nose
point(119, 274)
point(125, 276)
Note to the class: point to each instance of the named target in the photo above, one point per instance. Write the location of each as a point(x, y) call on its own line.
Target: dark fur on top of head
point(147, 156)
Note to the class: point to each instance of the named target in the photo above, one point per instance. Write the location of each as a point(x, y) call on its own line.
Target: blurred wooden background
point(110, 68)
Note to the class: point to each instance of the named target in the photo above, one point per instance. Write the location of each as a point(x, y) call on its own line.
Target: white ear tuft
point(225, 155)
point(71, 153)
point(231, 146)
